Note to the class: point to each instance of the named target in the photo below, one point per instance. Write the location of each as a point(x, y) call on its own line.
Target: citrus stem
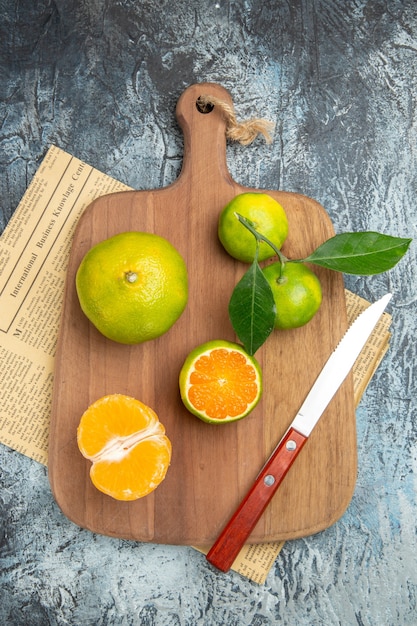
point(260, 237)
point(131, 277)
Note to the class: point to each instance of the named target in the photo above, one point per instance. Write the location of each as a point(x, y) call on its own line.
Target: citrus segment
point(297, 293)
point(127, 445)
point(133, 286)
point(267, 216)
point(220, 382)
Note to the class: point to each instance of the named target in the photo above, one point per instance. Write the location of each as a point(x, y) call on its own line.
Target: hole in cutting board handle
point(203, 107)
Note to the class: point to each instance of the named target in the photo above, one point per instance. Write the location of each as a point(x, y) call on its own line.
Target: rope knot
point(244, 132)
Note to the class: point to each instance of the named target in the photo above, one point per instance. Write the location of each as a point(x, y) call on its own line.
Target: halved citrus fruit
point(127, 445)
point(133, 286)
point(219, 382)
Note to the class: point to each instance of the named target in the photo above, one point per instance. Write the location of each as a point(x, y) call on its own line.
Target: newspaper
point(34, 252)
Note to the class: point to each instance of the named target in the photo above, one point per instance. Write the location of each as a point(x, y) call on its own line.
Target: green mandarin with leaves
point(289, 294)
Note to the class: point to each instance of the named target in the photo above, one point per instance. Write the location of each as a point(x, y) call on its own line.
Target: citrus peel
point(133, 286)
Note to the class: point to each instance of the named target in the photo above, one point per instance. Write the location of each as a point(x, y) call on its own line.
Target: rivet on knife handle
point(237, 530)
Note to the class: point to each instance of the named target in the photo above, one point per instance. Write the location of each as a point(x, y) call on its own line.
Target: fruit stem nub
point(131, 277)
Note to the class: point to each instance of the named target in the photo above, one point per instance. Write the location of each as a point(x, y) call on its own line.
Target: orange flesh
point(127, 446)
point(223, 384)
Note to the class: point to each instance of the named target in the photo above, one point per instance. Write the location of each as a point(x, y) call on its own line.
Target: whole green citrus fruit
point(297, 293)
point(133, 287)
point(267, 216)
point(219, 382)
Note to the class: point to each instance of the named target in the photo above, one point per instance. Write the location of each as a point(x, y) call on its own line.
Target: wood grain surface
point(212, 466)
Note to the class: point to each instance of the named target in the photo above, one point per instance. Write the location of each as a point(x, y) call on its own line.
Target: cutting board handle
point(204, 136)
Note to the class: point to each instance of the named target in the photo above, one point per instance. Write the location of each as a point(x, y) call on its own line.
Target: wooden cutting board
point(212, 466)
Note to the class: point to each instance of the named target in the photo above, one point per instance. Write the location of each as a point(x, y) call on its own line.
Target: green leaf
point(362, 253)
point(252, 309)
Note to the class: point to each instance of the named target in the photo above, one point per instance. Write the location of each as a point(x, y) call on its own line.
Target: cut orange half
point(127, 445)
point(220, 382)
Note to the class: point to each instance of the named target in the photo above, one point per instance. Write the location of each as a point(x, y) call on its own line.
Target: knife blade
point(238, 528)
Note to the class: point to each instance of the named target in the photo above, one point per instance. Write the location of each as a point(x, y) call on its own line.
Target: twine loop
point(244, 132)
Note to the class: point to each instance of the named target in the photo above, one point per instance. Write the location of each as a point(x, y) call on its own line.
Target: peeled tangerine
point(127, 445)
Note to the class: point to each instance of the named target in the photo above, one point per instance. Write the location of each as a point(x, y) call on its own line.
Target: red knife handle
point(237, 530)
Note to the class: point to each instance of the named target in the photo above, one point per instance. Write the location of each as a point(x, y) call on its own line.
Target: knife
point(237, 530)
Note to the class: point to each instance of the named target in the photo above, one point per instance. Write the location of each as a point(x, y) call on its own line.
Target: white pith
point(117, 448)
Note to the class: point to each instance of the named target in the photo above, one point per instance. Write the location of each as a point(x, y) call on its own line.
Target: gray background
point(101, 80)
